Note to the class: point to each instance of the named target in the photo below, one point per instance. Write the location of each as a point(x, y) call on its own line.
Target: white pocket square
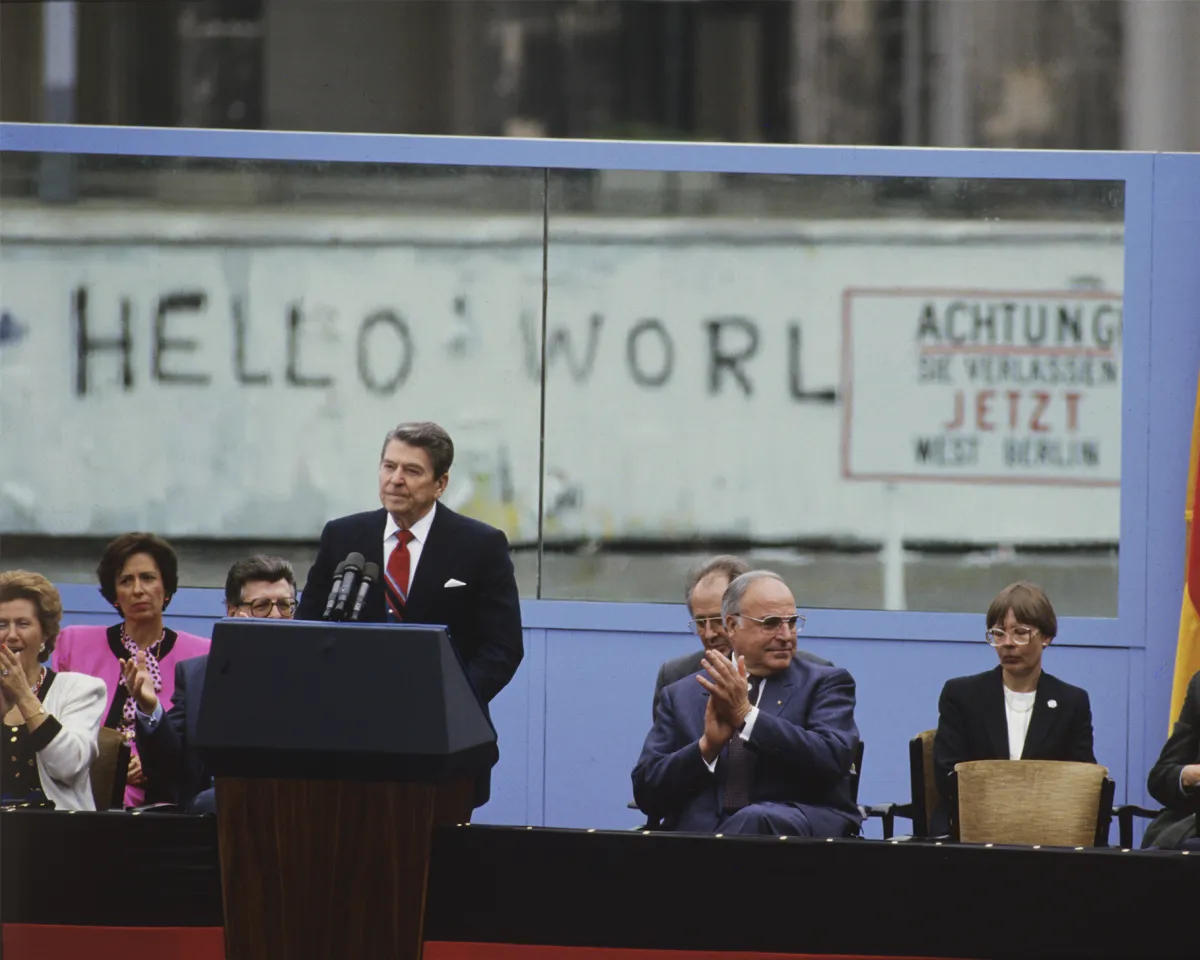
point(454, 583)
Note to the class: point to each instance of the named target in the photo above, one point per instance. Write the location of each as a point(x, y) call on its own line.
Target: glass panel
point(898, 393)
point(215, 350)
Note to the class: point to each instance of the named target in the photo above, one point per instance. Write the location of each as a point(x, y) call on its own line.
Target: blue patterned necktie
point(739, 763)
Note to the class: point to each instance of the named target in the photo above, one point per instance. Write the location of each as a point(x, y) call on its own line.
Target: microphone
point(354, 563)
point(369, 575)
point(333, 591)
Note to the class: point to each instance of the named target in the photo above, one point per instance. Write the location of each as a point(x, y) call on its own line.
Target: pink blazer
point(96, 650)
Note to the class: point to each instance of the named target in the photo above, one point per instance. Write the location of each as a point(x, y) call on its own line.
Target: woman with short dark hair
point(1015, 711)
point(50, 720)
point(138, 574)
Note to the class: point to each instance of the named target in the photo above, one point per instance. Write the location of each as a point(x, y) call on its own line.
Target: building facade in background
point(1066, 74)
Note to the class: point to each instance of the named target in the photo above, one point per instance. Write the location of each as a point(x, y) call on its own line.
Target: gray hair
point(430, 437)
point(732, 567)
point(731, 600)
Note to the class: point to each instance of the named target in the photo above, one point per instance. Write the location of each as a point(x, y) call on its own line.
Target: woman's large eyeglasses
point(262, 607)
point(1018, 635)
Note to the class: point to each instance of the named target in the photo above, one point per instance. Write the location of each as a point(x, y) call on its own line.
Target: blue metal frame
point(1160, 358)
point(573, 154)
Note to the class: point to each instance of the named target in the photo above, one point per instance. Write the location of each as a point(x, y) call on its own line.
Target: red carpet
point(37, 942)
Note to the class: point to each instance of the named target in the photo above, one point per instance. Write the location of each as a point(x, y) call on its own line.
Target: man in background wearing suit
point(760, 746)
point(258, 586)
point(1175, 780)
point(437, 567)
point(705, 586)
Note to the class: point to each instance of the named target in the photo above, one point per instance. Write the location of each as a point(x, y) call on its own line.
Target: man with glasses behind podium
point(1015, 711)
point(258, 586)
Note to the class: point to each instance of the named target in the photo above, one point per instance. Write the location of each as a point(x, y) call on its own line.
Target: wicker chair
point(1046, 802)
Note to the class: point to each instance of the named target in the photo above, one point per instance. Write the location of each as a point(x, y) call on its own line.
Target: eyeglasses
point(1018, 635)
point(700, 624)
point(262, 607)
point(771, 624)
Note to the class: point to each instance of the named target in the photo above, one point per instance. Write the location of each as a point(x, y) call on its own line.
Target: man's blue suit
point(803, 741)
point(166, 752)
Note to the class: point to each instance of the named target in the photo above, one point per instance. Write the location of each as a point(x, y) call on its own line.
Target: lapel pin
point(1052, 704)
point(779, 703)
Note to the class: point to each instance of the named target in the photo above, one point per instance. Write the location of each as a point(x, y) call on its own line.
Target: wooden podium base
point(329, 869)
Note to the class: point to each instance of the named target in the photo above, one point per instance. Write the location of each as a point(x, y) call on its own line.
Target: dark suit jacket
point(483, 617)
point(690, 663)
point(804, 740)
point(1178, 822)
point(972, 724)
point(166, 751)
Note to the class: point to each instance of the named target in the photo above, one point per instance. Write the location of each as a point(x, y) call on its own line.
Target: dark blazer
point(691, 663)
point(804, 739)
point(1178, 822)
point(972, 724)
point(483, 617)
point(166, 751)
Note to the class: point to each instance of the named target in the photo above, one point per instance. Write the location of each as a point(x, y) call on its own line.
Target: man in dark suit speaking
point(763, 745)
point(437, 567)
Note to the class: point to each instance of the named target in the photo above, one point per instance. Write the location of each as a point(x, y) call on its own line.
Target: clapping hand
point(13, 683)
point(717, 732)
point(138, 683)
point(728, 687)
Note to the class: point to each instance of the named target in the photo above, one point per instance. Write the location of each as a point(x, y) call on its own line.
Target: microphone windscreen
point(370, 571)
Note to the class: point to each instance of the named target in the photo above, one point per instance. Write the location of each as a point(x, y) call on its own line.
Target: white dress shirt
point(420, 532)
point(748, 726)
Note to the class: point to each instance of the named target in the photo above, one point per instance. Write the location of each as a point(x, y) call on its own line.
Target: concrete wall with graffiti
point(231, 375)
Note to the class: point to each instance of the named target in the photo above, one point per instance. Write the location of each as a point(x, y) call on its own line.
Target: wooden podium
point(337, 749)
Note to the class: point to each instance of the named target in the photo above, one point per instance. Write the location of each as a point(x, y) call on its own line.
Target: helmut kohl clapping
point(760, 745)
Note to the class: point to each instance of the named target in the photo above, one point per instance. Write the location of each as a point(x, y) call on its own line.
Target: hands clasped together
point(728, 702)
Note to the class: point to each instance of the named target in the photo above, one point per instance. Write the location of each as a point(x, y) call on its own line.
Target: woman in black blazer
point(1014, 711)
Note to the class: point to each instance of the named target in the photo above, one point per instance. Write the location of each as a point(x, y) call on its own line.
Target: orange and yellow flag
point(1187, 655)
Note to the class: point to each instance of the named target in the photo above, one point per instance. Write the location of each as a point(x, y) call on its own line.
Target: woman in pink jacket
point(138, 573)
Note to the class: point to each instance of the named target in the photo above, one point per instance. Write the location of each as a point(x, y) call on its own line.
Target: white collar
point(419, 530)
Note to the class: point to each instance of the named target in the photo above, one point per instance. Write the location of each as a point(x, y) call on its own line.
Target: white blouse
point(1018, 708)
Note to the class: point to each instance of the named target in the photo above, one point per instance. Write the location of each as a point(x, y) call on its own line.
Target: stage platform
point(121, 884)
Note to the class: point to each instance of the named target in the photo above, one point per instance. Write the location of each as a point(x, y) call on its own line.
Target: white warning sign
point(982, 386)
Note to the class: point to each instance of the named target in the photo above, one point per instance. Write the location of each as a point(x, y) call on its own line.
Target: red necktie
point(397, 576)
